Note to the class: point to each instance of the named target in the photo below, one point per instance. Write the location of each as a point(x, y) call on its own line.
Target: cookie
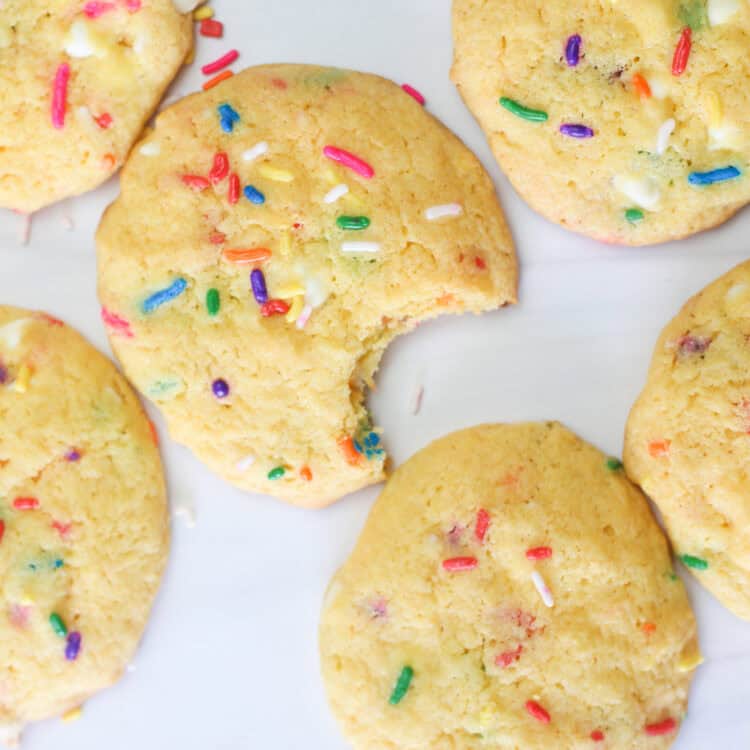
point(77, 81)
point(510, 590)
point(83, 520)
point(687, 442)
point(624, 121)
point(273, 235)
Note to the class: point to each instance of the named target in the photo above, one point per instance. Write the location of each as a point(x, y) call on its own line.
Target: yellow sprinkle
point(202, 13)
point(73, 715)
point(690, 660)
point(190, 59)
point(291, 290)
point(295, 309)
point(23, 379)
point(714, 109)
point(277, 175)
point(486, 717)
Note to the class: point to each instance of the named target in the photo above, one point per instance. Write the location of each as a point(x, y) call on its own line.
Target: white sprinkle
point(659, 86)
point(186, 512)
point(245, 463)
point(338, 192)
point(12, 333)
point(440, 212)
point(24, 229)
point(256, 151)
point(417, 399)
point(152, 148)
point(543, 589)
point(316, 292)
point(360, 247)
point(304, 316)
point(665, 131)
point(78, 44)
point(642, 191)
point(720, 11)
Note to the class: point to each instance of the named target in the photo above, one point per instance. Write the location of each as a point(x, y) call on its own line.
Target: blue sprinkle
point(372, 440)
point(715, 175)
point(358, 446)
point(254, 195)
point(228, 116)
point(56, 564)
point(157, 299)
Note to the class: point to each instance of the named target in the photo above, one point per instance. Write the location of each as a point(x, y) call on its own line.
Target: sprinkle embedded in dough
point(659, 86)
point(543, 589)
point(244, 464)
point(152, 148)
point(720, 11)
point(11, 334)
point(260, 149)
point(336, 193)
point(81, 42)
point(724, 137)
point(665, 132)
point(440, 212)
point(736, 291)
point(275, 174)
point(642, 191)
point(354, 248)
point(304, 317)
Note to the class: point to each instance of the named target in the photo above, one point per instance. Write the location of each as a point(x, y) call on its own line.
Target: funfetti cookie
point(77, 82)
point(273, 235)
point(83, 520)
point(625, 121)
point(688, 436)
point(509, 590)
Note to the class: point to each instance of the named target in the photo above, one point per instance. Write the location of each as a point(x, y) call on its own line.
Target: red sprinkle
point(220, 169)
point(349, 160)
point(2, 530)
point(234, 188)
point(133, 6)
point(414, 94)
point(663, 727)
point(217, 238)
point(60, 96)
point(483, 523)
point(682, 52)
point(25, 503)
point(597, 735)
point(480, 263)
point(537, 712)
point(211, 27)
point(63, 529)
point(222, 62)
point(116, 323)
point(279, 83)
point(274, 307)
point(539, 553)
point(196, 182)
point(457, 564)
point(104, 120)
point(506, 659)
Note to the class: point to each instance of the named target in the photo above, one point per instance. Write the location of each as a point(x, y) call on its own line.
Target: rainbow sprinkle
point(696, 563)
point(402, 686)
point(614, 464)
point(441, 212)
point(276, 473)
point(73, 646)
point(525, 113)
point(543, 589)
point(573, 50)
point(575, 130)
point(460, 564)
point(222, 62)
point(260, 149)
point(157, 299)
point(537, 712)
point(60, 96)
point(254, 195)
point(220, 388)
point(349, 160)
point(58, 626)
point(228, 117)
point(715, 175)
point(353, 223)
point(258, 284)
point(634, 215)
point(354, 248)
point(213, 302)
point(414, 94)
point(682, 52)
point(336, 193)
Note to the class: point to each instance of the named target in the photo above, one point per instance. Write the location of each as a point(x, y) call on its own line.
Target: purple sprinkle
point(220, 388)
point(3, 375)
point(573, 50)
point(73, 455)
point(73, 646)
point(693, 344)
point(258, 283)
point(576, 131)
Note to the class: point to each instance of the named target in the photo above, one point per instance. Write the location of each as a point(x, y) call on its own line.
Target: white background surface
point(230, 657)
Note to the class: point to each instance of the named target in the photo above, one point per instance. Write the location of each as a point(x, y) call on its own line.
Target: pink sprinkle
point(414, 94)
point(133, 6)
point(95, 8)
point(349, 160)
point(222, 62)
point(19, 616)
point(63, 529)
point(116, 323)
point(483, 523)
point(506, 659)
point(60, 96)
point(379, 608)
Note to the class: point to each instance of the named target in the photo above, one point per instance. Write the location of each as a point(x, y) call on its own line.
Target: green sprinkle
point(614, 464)
point(353, 223)
point(672, 575)
point(58, 625)
point(634, 215)
point(213, 302)
point(402, 686)
point(532, 115)
point(696, 563)
point(277, 473)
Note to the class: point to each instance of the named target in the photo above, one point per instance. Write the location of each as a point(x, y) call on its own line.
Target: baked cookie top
point(687, 441)
point(510, 590)
point(272, 236)
point(77, 82)
point(625, 121)
point(83, 520)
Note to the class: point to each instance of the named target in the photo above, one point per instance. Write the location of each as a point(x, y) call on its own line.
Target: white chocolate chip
point(642, 191)
point(11, 334)
point(78, 43)
point(152, 148)
point(720, 11)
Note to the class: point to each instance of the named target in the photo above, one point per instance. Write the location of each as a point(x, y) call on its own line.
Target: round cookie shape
point(621, 121)
point(273, 235)
point(78, 80)
point(687, 442)
point(510, 589)
point(83, 520)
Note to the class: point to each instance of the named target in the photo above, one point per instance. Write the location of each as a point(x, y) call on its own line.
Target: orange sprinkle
point(445, 300)
point(154, 433)
point(216, 80)
point(247, 255)
point(351, 454)
point(648, 628)
point(305, 473)
point(640, 84)
point(659, 448)
point(109, 161)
